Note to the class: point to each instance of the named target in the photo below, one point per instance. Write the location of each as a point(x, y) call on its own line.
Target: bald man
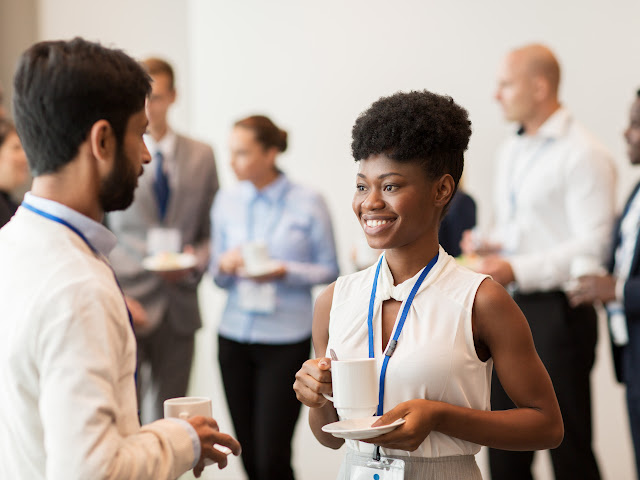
point(554, 203)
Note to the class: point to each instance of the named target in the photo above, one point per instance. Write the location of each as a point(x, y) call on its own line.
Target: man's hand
point(209, 434)
point(591, 288)
point(498, 267)
point(138, 313)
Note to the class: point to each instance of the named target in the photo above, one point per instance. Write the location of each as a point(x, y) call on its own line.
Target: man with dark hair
point(554, 202)
point(619, 289)
point(67, 361)
point(173, 201)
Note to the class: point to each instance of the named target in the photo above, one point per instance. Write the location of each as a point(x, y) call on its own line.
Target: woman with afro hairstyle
point(434, 327)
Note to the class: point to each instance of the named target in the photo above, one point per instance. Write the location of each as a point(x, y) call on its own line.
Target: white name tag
point(365, 468)
point(257, 297)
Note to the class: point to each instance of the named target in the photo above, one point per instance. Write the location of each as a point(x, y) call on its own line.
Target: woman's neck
point(405, 262)
point(266, 180)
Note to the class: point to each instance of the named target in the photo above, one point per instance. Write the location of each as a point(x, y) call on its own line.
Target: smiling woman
point(434, 327)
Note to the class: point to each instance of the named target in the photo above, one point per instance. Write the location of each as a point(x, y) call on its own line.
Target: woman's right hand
point(230, 261)
point(312, 380)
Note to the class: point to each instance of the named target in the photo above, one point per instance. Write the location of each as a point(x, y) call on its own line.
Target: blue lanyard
point(61, 221)
point(394, 341)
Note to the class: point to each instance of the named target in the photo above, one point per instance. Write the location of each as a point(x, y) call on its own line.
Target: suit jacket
point(192, 190)
point(460, 217)
point(631, 304)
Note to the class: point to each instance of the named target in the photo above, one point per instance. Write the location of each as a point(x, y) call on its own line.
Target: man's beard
point(117, 190)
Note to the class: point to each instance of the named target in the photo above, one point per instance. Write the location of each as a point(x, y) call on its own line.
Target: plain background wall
point(314, 67)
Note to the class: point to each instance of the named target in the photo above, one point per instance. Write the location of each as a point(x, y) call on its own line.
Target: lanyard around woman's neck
point(394, 341)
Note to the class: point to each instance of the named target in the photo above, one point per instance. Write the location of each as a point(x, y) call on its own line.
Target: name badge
point(257, 297)
point(365, 468)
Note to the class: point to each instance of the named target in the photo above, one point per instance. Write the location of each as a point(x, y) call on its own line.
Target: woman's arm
point(314, 378)
point(535, 423)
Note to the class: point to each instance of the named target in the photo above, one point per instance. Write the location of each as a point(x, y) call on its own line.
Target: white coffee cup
point(585, 265)
point(355, 387)
point(187, 407)
point(582, 265)
point(163, 240)
point(256, 258)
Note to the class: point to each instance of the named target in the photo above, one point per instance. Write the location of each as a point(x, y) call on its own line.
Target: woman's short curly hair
point(418, 126)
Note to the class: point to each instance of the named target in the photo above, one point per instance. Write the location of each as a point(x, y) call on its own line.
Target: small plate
point(269, 267)
point(360, 428)
point(169, 262)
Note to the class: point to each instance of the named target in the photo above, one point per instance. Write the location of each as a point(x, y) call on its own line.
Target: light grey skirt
point(460, 467)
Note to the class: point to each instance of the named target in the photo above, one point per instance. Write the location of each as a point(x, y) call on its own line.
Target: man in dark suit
point(172, 201)
point(619, 290)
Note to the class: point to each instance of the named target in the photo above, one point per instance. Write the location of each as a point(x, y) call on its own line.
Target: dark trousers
point(565, 339)
point(631, 376)
point(258, 382)
point(164, 366)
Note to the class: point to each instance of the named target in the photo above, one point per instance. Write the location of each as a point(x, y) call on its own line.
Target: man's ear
point(102, 141)
point(444, 189)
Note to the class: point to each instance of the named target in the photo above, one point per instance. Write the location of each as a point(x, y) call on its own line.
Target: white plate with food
point(169, 262)
point(360, 428)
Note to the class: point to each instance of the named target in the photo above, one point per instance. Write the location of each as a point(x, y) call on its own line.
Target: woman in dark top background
point(13, 169)
point(460, 217)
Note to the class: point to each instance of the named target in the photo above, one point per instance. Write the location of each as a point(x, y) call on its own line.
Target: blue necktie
point(161, 186)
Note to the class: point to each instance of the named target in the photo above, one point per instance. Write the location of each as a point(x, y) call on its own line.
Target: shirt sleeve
point(590, 211)
point(86, 359)
point(219, 243)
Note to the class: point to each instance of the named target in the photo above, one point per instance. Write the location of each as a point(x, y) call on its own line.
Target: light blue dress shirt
point(294, 223)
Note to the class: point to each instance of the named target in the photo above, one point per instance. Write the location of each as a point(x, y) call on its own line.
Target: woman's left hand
point(421, 418)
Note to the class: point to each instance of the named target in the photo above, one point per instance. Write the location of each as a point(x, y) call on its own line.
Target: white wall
point(314, 66)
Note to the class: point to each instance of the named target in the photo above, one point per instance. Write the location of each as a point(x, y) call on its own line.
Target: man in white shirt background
point(67, 352)
point(553, 203)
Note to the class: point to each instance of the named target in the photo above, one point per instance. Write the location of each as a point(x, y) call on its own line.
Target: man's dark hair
point(418, 127)
point(61, 88)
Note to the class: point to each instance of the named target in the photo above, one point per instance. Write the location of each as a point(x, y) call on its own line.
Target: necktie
point(161, 186)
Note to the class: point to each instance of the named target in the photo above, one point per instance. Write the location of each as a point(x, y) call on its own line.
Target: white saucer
point(360, 428)
point(269, 267)
point(168, 262)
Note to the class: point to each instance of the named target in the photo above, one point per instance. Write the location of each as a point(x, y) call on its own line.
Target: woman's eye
point(389, 188)
point(360, 188)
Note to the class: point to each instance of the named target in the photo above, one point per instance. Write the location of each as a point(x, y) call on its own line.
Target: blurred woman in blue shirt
point(265, 330)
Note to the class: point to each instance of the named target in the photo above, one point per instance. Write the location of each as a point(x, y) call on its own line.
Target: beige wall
point(18, 30)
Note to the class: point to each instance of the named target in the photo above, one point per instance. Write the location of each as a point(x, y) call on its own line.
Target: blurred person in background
point(619, 290)
point(14, 169)
point(553, 203)
point(460, 217)
point(173, 201)
point(265, 331)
